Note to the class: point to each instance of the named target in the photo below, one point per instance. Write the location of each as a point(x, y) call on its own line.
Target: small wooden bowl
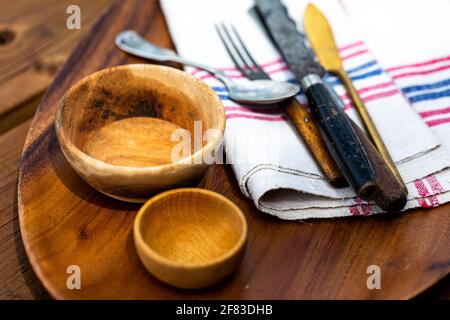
point(115, 128)
point(190, 238)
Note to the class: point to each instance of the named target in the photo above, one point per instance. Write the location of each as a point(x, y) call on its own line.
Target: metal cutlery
point(322, 41)
point(361, 165)
point(297, 113)
point(251, 92)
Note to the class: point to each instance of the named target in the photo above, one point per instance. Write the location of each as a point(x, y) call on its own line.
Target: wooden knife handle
point(341, 140)
point(310, 132)
point(390, 195)
point(353, 152)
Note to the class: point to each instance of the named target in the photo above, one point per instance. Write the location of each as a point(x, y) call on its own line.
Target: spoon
point(251, 92)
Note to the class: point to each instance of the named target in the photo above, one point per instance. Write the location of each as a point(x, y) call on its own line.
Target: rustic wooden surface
point(34, 43)
point(17, 279)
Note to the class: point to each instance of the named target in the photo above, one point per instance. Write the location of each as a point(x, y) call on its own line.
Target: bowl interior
point(128, 115)
point(192, 228)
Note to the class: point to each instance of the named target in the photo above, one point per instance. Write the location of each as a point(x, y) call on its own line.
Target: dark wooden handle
point(342, 141)
point(390, 195)
point(310, 132)
point(354, 153)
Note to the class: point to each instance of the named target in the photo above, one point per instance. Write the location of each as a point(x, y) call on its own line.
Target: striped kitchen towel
point(272, 164)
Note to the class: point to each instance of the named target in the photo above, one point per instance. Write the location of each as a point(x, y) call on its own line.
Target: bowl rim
point(102, 165)
point(154, 255)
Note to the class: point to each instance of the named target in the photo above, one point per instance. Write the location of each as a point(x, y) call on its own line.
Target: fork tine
point(250, 57)
point(237, 50)
point(228, 49)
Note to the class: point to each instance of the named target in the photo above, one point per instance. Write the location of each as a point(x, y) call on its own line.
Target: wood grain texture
point(64, 221)
point(389, 194)
point(38, 45)
point(17, 279)
point(190, 237)
point(107, 98)
point(138, 136)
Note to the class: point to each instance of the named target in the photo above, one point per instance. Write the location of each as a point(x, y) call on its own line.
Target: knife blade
point(321, 37)
point(336, 128)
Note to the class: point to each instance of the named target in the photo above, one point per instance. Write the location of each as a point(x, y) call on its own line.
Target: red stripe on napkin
point(426, 114)
point(423, 192)
point(435, 185)
point(351, 45)
point(260, 110)
point(420, 64)
point(433, 123)
point(420, 73)
point(247, 116)
point(372, 97)
point(231, 69)
point(354, 54)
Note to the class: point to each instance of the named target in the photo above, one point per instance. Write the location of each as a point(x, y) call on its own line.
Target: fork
point(297, 113)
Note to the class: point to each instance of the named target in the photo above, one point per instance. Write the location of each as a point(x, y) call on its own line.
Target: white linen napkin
point(272, 164)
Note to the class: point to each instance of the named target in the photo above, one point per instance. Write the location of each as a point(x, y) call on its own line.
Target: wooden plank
point(17, 279)
point(64, 221)
point(34, 43)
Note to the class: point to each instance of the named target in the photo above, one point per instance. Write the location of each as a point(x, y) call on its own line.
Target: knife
point(351, 155)
point(308, 129)
point(321, 38)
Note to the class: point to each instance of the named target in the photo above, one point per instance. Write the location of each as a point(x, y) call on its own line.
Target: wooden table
point(33, 44)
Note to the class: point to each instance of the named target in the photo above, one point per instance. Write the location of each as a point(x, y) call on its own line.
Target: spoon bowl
point(262, 92)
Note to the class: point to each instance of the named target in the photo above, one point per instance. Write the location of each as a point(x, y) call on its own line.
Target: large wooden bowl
point(116, 128)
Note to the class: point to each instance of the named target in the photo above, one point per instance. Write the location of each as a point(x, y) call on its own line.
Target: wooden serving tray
point(65, 222)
